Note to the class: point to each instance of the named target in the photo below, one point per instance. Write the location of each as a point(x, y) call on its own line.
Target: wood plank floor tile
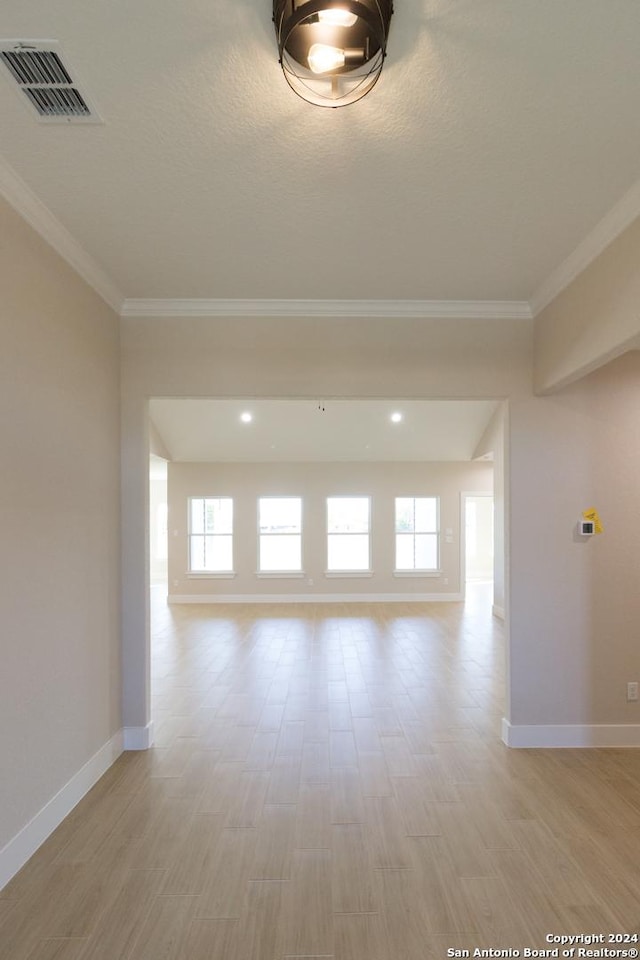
point(307, 922)
point(119, 925)
point(353, 886)
point(161, 844)
point(418, 816)
point(315, 763)
point(347, 804)
point(194, 859)
point(213, 940)
point(313, 817)
point(284, 780)
point(264, 923)
point(165, 930)
point(276, 830)
point(342, 746)
point(225, 891)
point(400, 760)
point(58, 950)
point(329, 782)
point(387, 837)
point(374, 775)
point(492, 909)
point(360, 936)
point(436, 889)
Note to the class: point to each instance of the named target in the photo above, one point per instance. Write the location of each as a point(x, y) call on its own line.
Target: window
point(417, 533)
point(348, 520)
point(280, 530)
point(211, 535)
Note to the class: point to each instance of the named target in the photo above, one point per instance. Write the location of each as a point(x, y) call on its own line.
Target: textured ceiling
point(318, 430)
point(500, 133)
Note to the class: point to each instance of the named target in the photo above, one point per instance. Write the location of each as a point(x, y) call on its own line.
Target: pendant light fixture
point(332, 51)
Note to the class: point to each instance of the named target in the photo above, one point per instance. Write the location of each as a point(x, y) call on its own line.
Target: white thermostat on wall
point(586, 528)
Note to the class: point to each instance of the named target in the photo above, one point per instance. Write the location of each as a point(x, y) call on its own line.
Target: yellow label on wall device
point(592, 514)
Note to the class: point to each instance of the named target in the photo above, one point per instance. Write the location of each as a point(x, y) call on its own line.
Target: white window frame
point(286, 573)
point(360, 572)
point(194, 573)
point(416, 571)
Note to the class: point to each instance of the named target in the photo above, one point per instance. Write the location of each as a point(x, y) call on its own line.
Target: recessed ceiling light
point(396, 417)
point(246, 417)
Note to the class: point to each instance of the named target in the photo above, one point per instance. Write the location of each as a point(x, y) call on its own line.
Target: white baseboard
point(16, 853)
point(571, 735)
point(313, 597)
point(138, 738)
point(497, 611)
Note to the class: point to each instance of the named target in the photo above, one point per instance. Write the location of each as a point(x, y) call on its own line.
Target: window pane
point(404, 514)
point(280, 552)
point(219, 554)
point(426, 514)
point(404, 551)
point(348, 552)
point(426, 551)
point(197, 515)
point(280, 515)
point(220, 515)
point(196, 554)
point(348, 515)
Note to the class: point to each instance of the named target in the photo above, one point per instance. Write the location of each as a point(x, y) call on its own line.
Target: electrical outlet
point(632, 691)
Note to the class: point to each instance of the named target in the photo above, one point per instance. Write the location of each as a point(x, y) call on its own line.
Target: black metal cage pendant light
point(332, 51)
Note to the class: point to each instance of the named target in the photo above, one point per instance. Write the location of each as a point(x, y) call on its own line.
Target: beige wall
point(314, 482)
point(576, 601)
point(595, 319)
point(59, 505)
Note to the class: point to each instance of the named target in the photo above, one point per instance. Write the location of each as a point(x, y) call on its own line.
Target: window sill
point(417, 573)
point(280, 574)
point(210, 575)
point(332, 574)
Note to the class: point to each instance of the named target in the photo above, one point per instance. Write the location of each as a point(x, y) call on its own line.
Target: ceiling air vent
point(45, 80)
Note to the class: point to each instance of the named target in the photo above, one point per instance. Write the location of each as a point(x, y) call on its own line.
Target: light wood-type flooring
point(328, 782)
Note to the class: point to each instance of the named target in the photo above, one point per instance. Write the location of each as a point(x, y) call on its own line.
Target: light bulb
point(246, 417)
point(336, 17)
point(323, 58)
point(396, 417)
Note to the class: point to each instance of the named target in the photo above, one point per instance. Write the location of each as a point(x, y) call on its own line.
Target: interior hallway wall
point(60, 675)
point(575, 601)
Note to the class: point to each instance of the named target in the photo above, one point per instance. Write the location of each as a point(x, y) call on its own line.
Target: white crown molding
point(604, 233)
point(391, 309)
point(21, 198)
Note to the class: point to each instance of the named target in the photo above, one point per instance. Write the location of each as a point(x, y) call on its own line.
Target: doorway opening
point(158, 534)
point(478, 523)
